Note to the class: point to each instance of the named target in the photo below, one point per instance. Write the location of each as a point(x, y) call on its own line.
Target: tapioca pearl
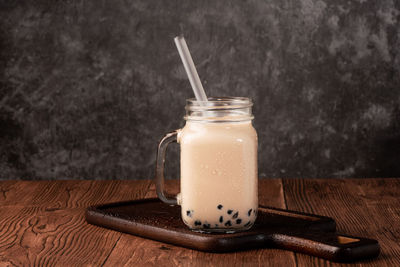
point(238, 221)
point(247, 224)
point(228, 223)
point(229, 212)
point(220, 207)
point(216, 225)
point(249, 212)
point(221, 219)
point(197, 223)
point(206, 225)
point(189, 213)
point(235, 215)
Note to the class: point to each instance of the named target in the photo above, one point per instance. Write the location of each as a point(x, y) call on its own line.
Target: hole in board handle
point(346, 240)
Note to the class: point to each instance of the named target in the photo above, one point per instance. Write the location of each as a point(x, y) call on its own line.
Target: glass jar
point(218, 165)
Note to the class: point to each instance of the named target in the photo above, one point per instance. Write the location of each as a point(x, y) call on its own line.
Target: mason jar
point(218, 162)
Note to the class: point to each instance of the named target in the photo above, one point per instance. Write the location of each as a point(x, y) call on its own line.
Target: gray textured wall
point(87, 88)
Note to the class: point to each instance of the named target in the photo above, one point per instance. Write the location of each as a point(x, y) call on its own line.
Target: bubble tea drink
point(218, 165)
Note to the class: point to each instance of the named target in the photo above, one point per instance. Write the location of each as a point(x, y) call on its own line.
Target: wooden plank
point(36, 237)
point(71, 193)
point(46, 224)
point(19, 192)
point(361, 207)
point(135, 251)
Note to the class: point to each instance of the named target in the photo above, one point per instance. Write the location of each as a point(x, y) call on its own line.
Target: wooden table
point(42, 223)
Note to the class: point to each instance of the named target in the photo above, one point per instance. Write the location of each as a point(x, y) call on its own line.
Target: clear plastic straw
point(190, 68)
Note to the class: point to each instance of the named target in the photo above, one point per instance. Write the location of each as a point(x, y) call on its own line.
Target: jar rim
point(219, 109)
point(221, 101)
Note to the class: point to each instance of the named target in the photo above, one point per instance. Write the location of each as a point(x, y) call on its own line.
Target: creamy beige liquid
point(218, 175)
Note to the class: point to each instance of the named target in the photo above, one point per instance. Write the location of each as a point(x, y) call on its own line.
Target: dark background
point(87, 88)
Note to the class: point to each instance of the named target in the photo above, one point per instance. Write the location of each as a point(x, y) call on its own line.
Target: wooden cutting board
point(300, 232)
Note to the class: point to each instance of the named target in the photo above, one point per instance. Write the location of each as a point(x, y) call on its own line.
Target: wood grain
point(71, 193)
point(131, 250)
point(37, 237)
point(364, 207)
point(42, 223)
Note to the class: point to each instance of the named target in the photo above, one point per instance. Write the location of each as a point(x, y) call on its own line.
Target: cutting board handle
point(330, 246)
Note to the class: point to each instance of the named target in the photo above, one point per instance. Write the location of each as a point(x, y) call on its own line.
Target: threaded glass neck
point(219, 109)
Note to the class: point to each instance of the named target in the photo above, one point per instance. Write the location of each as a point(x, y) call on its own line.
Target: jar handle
point(160, 165)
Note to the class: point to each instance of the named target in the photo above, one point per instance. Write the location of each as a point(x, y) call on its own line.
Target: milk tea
point(218, 175)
